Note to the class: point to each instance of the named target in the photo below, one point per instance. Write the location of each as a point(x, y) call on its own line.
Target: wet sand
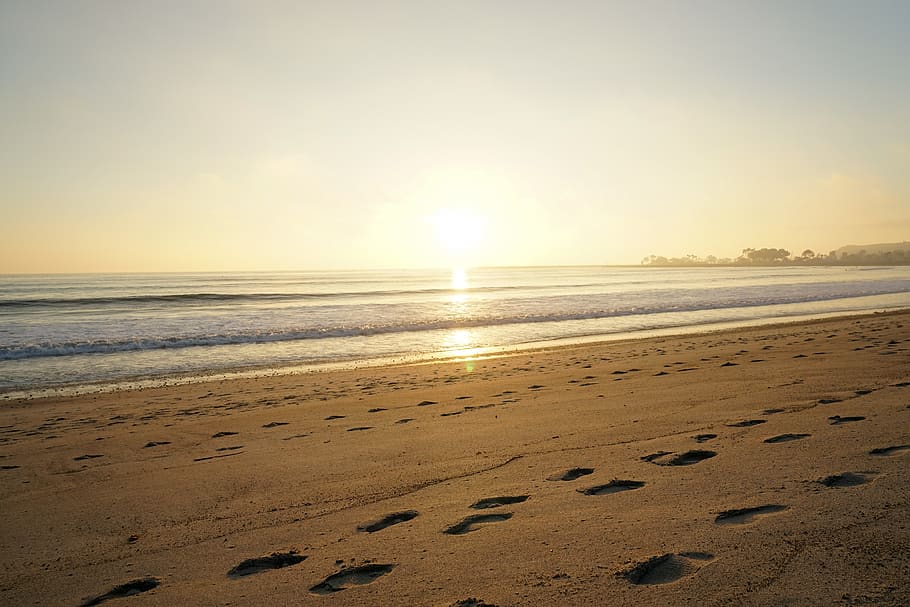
point(763, 466)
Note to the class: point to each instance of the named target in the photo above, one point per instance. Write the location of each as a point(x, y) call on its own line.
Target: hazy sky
point(309, 135)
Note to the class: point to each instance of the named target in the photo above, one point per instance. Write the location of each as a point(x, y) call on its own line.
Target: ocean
point(72, 333)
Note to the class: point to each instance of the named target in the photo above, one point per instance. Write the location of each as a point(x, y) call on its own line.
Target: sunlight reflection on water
point(71, 330)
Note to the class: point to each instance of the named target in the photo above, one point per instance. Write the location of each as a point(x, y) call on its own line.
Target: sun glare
point(459, 279)
point(459, 230)
point(462, 343)
point(460, 338)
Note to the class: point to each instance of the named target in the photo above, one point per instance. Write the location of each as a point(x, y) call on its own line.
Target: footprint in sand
point(666, 568)
point(405, 420)
point(331, 417)
point(354, 576)
point(700, 438)
point(128, 589)
point(667, 458)
point(275, 424)
point(847, 479)
point(472, 523)
point(359, 428)
point(495, 502)
point(614, 486)
point(87, 456)
point(295, 436)
point(746, 423)
point(276, 560)
point(155, 443)
point(388, 520)
point(741, 516)
point(837, 420)
point(222, 434)
point(783, 438)
point(571, 474)
point(888, 451)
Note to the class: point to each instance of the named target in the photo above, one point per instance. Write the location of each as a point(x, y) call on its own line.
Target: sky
point(217, 136)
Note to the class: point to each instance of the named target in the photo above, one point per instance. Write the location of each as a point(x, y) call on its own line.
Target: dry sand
point(766, 466)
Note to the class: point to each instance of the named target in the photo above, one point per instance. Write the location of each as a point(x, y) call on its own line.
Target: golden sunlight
point(459, 338)
point(459, 279)
point(459, 230)
point(462, 343)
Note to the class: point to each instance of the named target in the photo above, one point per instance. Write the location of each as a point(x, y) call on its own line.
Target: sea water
point(76, 330)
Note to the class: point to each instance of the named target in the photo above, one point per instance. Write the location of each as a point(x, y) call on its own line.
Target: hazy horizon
point(296, 136)
point(445, 268)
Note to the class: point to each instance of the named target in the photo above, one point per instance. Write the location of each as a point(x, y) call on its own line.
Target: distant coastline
point(888, 254)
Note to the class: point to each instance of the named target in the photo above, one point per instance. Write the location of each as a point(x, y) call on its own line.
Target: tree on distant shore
point(764, 256)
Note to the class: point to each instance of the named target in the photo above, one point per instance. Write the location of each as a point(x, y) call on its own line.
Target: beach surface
point(762, 466)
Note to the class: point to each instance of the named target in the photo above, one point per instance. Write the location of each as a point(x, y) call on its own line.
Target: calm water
point(76, 329)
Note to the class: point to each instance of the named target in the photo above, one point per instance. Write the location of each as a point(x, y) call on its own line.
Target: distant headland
point(886, 254)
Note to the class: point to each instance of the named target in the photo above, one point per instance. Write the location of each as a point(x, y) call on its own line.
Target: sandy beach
point(764, 466)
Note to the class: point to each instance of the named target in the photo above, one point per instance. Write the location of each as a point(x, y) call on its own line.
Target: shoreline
point(759, 466)
point(170, 380)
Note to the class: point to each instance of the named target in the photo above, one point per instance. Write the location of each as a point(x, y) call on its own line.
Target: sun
point(459, 231)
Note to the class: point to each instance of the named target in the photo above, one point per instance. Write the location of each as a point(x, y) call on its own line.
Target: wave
point(192, 298)
point(215, 298)
point(69, 348)
point(424, 287)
